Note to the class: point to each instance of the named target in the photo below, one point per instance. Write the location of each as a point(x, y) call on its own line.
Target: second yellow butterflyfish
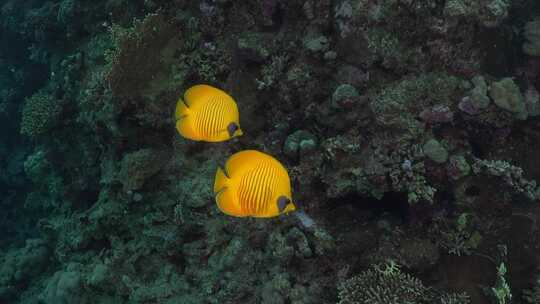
point(207, 114)
point(253, 184)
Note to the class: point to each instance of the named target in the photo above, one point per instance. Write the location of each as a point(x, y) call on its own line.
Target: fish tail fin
point(221, 180)
point(181, 109)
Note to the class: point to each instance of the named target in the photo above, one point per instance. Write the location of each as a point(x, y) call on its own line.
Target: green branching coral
point(501, 292)
point(383, 284)
point(461, 238)
point(455, 298)
point(40, 113)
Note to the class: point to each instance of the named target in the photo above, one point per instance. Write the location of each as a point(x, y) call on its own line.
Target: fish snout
point(234, 129)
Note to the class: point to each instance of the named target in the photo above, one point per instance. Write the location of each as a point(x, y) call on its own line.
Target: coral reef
point(532, 35)
point(383, 284)
point(409, 130)
point(41, 112)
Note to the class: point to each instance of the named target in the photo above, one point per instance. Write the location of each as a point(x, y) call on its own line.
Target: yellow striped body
point(206, 114)
point(252, 185)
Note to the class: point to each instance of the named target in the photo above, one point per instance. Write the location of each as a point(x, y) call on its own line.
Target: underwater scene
point(270, 151)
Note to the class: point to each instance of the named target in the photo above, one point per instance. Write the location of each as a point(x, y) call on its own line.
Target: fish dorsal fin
point(245, 160)
point(201, 93)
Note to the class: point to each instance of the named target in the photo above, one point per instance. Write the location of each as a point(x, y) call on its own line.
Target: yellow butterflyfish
point(253, 184)
point(207, 114)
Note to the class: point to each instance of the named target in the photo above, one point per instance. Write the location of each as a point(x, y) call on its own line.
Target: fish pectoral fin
point(225, 203)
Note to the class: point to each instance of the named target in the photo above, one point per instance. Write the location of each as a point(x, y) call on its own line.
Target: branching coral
point(383, 284)
point(511, 175)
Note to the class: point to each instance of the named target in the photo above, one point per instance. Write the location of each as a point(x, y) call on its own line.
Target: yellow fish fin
point(227, 204)
point(199, 93)
point(244, 159)
point(181, 109)
point(224, 195)
point(221, 181)
point(185, 128)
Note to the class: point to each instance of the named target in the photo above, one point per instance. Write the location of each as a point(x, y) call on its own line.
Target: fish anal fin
point(226, 202)
point(185, 128)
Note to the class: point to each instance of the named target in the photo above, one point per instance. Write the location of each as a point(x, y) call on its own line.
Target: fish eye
point(282, 203)
point(231, 128)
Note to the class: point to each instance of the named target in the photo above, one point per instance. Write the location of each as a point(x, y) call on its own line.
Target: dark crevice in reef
point(472, 190)
point(393, 203)
point(478, 149)
point(500, 50)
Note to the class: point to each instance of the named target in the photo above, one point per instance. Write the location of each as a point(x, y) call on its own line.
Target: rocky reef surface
point(410, 130)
